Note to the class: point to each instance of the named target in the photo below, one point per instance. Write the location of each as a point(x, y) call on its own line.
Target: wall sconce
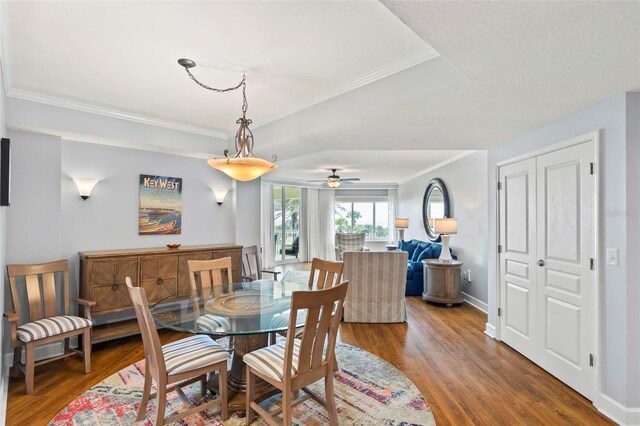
point(85, 186)
point(220, 194)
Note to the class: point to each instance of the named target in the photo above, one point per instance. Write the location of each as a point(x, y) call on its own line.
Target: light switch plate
point(612, 256)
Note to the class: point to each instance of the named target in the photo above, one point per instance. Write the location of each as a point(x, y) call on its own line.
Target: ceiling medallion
point(243, 165)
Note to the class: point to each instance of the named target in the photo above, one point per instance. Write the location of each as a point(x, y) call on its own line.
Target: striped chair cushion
point(282, 320)
point(213, 324)
point(270, 360)
point(192, 353)
point(52, 326)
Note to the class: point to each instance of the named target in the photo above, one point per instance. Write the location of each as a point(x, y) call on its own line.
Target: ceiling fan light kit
point(243, 165)
point(334, 181)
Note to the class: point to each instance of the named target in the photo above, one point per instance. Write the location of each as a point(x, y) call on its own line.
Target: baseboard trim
point(490, 330)
point(625, 416)
point(476, 303)
point(4, 394)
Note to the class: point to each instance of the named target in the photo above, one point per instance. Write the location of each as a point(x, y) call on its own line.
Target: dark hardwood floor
point(467, 377)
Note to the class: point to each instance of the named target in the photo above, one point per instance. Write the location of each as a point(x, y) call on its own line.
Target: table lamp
point(445, 227)
point(402, 223)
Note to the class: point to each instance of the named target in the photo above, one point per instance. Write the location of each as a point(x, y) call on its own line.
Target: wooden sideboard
point(162, 272)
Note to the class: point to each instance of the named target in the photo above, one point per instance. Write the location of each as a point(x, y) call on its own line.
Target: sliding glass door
point(286, 216)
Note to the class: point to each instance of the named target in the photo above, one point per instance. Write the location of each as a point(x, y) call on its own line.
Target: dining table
point(245, 312)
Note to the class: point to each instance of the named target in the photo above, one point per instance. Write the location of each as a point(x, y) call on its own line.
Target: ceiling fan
point(334, 181)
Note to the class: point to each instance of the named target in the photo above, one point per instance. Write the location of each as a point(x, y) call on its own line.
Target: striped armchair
point(349, 242)
point(376, 286)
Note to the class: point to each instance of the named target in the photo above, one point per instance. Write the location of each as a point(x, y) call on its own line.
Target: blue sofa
point(418, 250)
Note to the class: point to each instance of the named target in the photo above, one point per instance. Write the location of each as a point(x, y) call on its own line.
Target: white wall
point(465, 180)
point(610, 117)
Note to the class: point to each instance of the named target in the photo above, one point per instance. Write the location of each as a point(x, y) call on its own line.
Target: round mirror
point(435, 205)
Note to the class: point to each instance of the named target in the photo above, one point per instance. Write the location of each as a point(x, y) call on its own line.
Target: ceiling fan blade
point(321, 180)
point(350, 179)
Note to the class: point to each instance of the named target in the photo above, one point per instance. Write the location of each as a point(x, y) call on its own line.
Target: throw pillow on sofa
point(425, 254)
point(407, 246)
point(419, 249)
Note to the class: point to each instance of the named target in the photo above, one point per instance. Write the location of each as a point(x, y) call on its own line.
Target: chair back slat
point(34, 297)
point(150, 340)
point(212, 274)
point(49, 294)
point(324, 311)
point(251, 262)
point(39, 281)
point(329, 273)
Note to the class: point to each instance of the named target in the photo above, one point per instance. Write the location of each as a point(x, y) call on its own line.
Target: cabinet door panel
point(159, 288)
point(112, 296)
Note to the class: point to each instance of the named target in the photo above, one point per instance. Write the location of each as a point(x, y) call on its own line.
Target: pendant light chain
point(243, 165)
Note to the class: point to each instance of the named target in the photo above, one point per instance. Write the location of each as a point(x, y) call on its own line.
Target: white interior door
point(547, 280)
point(565, 201)
point(517, 263)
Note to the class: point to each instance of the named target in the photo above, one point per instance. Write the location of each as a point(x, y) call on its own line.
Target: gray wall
point(633, 245)
point(465, 180)
point(48, 220)
point(3, 239)
point(610, 118)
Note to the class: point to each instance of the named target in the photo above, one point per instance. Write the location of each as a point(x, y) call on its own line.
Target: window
point(286, 216)
point(362, 216)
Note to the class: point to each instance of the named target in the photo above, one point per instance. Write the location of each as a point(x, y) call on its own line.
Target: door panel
point(517, 237)
point(565, 202)
point(546, 209)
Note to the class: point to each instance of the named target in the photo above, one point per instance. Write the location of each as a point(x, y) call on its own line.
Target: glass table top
point(255, 307)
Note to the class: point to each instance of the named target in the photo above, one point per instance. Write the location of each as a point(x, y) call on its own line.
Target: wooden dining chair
point(251, 266)
point(211, 276)
point(46, 321)
point(294, 364)
point(176, 364)
point(328, 274)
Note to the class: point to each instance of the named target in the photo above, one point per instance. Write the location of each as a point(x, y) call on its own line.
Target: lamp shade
point(445, 226)
point(220, 194)
point(402, 223)
point(243, 168)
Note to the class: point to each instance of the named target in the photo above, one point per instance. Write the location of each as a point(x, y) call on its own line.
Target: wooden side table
point(442, 281)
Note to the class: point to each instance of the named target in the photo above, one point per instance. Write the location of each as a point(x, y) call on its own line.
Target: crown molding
point(376, 74)
point(113, 113)
point(441, 164)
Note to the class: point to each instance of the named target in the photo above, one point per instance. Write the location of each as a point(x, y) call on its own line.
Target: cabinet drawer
point(158, 266)
point(159, 288)
point(113, 271)
point(112, 296)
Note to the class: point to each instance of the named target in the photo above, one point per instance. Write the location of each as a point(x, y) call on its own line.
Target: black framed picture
point(5, 171)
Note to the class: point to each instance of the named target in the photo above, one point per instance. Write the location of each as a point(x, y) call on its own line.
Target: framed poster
point(160, 205)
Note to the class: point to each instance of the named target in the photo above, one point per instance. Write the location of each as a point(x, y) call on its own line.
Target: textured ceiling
point(505, 68)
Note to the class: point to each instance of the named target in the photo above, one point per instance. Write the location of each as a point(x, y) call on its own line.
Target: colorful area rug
point(369, 391)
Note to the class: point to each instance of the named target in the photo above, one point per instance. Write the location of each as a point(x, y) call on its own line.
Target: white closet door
point(517, 262)
point(565, 280)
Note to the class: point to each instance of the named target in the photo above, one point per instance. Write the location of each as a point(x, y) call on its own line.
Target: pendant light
point(243, 165)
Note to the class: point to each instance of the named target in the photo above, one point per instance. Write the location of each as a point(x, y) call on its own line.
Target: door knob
point(540, 262)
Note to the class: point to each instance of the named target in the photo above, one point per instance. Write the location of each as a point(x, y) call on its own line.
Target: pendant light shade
point(243, 165)
point(243, 168)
